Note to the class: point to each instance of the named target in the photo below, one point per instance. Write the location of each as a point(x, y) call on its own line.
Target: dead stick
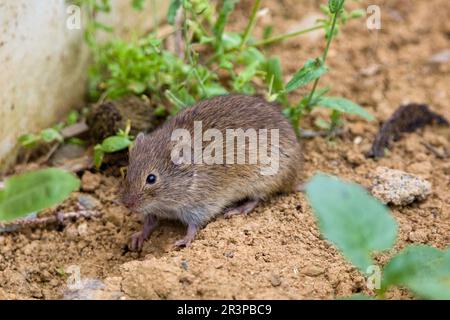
point(435, 151)
point(74, 130)
point(57, 218)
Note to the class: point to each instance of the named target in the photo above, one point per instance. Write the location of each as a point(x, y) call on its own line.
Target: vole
point(184, 171)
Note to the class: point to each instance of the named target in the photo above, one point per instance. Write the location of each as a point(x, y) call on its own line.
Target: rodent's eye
point(151, 179)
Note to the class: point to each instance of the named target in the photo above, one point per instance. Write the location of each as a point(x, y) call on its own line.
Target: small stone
point(313, 271)
point(357, 140)
point(418, 236)
point(82, 229)
point(370, 70)
point(275, 280)
point(90, 289)
point(88, 202)
point(440, 57)
point(90, 181)
point(397, 187)
point(229, 254)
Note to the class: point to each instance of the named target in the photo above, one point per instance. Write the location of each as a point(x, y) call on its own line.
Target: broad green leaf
point(35, 191)
point(172, 12)
point(50, 135)
point(345, 106)
point(312, 70)
point(357, 223)
point(422, 269)
point(274, 74)
point(231, 40)
point(214, 89)
point(115, 143)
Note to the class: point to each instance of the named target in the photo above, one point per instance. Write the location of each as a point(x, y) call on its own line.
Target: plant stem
point(250, 25)
point(188, 52)
point(285, 36)
point(325, 54)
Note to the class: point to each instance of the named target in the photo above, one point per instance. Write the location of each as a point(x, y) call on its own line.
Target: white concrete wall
point(43, 63)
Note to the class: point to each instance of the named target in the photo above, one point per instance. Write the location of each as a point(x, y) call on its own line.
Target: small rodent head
point(152, 180)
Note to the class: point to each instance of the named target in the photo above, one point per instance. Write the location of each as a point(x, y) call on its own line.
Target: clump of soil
point(276, 251)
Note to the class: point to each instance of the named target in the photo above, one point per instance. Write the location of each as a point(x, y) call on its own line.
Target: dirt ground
point(276, 252)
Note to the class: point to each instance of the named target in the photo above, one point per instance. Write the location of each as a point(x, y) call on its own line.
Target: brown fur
point(194, 193)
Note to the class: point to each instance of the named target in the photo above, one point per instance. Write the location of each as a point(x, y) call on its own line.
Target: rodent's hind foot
point(244, 208)
point(138, 238)
point(188, 238)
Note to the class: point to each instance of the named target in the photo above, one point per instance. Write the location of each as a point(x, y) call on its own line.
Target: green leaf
point(115, 143)
point(214, 89)
point(72, 118)
point(138, 4)
point(137, 87)
point(172, 12)
point(35, 191)
point(28, 140)
point(102, 26)
point(357, 223)
point(231, 40)
point(251, 55)
point(49, 135)
point(345, 106)
point(422, 269)
point(358, 13)
point(312, 70)
point(335, 5)
point(246, 75)
point(98, 156)
point(274, 74)
point(219, 26)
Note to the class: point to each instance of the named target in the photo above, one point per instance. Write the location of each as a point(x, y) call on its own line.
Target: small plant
point(121, 141)
point(314, 69)
point(34, 191)
point(359, 225)
point(50, 135)
point(144, 67)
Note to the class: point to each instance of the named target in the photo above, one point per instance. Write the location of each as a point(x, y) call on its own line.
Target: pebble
point(398, 187)
point(275, 280)
point(88, 202)
point(313, 271)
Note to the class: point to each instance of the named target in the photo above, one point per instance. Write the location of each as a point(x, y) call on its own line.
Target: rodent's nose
point(130, 200)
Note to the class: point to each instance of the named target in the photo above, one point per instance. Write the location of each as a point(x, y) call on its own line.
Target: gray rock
point(398, 187)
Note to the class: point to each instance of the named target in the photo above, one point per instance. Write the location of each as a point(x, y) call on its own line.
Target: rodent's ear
point(139, 137)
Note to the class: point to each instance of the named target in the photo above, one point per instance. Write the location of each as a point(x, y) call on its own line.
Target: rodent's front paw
point(137, 241)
